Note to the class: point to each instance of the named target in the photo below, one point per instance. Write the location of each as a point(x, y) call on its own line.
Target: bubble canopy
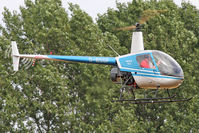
point(167, 65)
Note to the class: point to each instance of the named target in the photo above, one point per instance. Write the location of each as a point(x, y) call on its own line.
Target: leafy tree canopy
point(61, 97)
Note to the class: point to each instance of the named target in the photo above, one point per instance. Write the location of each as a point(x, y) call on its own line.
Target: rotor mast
point(137, 43)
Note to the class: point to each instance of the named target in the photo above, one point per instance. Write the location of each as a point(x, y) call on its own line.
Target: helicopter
point(140, 69)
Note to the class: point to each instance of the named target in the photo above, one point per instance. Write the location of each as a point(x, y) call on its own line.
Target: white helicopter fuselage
point(163, 73)
point(167, 74)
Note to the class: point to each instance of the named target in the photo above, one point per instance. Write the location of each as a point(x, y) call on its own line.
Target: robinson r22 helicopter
point(144, 69)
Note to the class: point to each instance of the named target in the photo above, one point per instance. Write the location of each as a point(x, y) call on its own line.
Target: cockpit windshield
point(167, 65)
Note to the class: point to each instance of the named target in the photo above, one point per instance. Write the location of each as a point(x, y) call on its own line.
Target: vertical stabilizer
point(15, 56)
point(137, 42)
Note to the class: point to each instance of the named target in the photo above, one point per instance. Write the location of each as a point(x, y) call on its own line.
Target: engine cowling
point(119, 77)
point(116, 75)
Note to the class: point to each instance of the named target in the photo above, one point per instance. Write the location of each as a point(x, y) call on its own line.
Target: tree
point(53, 96)
point(173, 33)
point(61, 97)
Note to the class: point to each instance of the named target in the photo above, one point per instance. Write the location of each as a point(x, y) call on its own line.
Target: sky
point(92, 7)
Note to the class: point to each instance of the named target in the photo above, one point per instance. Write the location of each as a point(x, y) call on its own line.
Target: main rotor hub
point(138, 27)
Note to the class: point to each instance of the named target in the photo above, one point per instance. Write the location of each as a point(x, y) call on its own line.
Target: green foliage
point(172, 32)
point(61, 97)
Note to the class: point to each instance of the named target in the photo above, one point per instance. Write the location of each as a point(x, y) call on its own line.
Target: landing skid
point(152, 100)
point(143, 99)
point(146, 100)
point(162, 101)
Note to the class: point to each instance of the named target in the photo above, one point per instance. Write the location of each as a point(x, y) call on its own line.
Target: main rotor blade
point(148, 14)
point(127, 28)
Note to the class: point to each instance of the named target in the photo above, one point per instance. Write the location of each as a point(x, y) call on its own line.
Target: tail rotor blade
point(8, 52)
point(27, 62)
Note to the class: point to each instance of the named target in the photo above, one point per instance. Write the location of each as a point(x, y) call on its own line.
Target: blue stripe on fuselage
point(86, 59)
point(158, 76)
point(141, 71)
point(149, 73)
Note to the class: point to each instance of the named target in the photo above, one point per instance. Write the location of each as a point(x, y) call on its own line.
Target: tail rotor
point(8, 51)
point(27, 62)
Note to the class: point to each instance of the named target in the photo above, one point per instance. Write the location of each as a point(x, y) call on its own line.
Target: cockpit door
point(146, 62)
point(148, 70)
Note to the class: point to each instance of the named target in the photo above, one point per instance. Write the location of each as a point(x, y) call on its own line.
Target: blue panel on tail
point(86, 59)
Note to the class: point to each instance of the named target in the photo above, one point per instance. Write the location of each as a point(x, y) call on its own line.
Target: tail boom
point(82, 59)
point(85, 59)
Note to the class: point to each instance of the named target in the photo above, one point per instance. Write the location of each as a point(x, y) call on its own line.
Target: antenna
point(113, 50)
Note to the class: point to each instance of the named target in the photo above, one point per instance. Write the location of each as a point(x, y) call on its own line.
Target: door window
point(145, 61)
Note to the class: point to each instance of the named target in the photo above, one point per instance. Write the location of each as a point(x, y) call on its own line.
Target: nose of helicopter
point(181, 78)
point(169, 68)
point(171, 83)
point(176, 80)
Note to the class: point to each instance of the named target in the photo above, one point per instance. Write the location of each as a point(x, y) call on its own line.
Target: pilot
point(147, 62)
